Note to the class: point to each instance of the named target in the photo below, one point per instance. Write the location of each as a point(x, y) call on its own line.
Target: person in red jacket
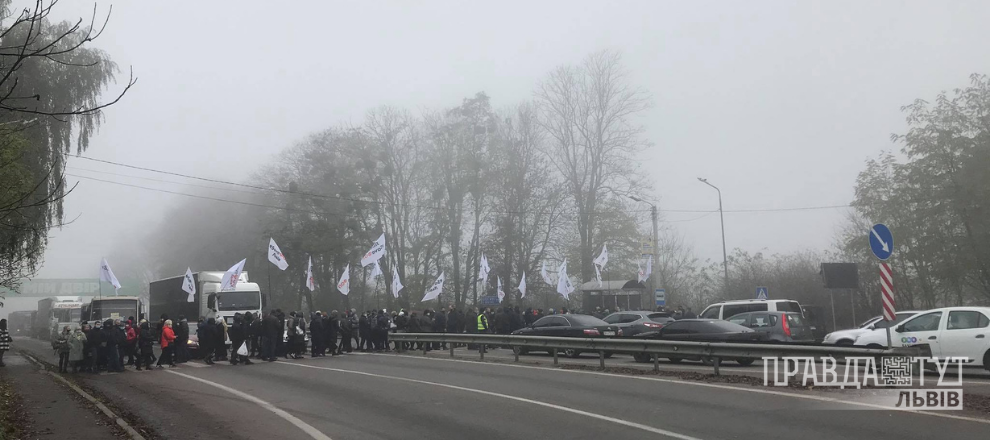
point(131, 344)
point(168, 337)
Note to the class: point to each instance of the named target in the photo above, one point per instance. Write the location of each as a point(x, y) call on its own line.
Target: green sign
point(42, 288)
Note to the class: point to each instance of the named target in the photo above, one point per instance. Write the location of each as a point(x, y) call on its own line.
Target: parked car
point(848, 337)
point(728, 309)
point(702, 330)
point(779, 326)
point(949, 332)
point(634, 323)
point(569, 326)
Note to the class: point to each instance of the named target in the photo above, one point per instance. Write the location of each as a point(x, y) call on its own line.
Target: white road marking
point(663, 432)
point(307, 428)
point(708, 385)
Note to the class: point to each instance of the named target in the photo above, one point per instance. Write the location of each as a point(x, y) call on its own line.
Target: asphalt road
point(399, 397)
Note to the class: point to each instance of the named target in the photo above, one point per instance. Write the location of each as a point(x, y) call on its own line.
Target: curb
point(120, 422)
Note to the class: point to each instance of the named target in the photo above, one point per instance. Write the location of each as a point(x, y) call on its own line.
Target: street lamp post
point(725, 259)
point(656, 239)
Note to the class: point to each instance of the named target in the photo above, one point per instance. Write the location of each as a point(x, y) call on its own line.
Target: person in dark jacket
point(270, 332)
point(364, 330)
point(254, 334)
point(182, 341)
point(220, 347)
point(330, 330)
point(238, 337)
point(145, 341)
point(346, 334)
point(517, 321)
point(280, 349)
point(208, 340)
point(381, 331)
point(114, 338)
point(316, 334)
point(440, 326)
point(96, 340)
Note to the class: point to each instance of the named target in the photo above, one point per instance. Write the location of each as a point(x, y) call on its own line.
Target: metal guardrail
point(712, 352)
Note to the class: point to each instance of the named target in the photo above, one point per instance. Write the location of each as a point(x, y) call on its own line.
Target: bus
point(113, 307)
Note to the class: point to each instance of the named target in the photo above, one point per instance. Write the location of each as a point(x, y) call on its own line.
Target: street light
point(656, 237)
point(725, 259)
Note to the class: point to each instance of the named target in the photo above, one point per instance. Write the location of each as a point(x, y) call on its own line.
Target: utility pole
point(725, 259)
point(655, 241)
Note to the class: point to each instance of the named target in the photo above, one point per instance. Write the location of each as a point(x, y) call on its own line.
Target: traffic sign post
point(882, 245)
point(661, 297)
point(762, 293)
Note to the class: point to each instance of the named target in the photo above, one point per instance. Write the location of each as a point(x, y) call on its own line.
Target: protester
point(62, 348)
point(182, 341)
point(331, 331)
point(5, 340)
point(208, 340)
point(271, 332)
point(220, 343)
point(77, 349)
point(132, 338)
point(167, 343)
point(114, 336)
point(145, 341)
point(316, 334)
point(238, 337)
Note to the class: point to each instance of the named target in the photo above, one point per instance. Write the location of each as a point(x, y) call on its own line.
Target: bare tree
point(587, 111)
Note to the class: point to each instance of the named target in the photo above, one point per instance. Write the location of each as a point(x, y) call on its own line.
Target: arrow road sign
point(762, 293)
point(881, 241)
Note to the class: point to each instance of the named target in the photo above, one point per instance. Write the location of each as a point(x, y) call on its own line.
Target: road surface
point(388, 396)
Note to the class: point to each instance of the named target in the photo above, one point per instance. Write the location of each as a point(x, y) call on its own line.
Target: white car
point(950, 332)
point(848, 337)
point(728, 309)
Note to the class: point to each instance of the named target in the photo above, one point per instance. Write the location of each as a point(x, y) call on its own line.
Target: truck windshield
point(67, 315)
point(239, 301)
point(114, 309)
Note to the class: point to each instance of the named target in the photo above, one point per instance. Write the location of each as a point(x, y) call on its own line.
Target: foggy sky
point(778, 103)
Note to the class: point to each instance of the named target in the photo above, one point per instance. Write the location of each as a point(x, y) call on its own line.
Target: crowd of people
point(112, 345)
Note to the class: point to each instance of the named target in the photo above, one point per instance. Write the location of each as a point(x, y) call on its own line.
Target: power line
point(323, 196)
point(166, 181)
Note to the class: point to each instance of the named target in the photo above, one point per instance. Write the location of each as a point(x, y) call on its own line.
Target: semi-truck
point(113, 307)
point(56, 312)
point(20, 322)
point(167, 297)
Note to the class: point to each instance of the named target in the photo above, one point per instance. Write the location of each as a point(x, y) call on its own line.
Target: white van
point(728, 309)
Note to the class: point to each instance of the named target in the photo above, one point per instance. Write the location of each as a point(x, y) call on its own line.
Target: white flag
point(645, 274)
point(522, 286)
point(602, 259)
point(598, 275)
point(564, 286)
point(310, 282)
point(483, 269)
point(546, 276)
point(107, 275)
point(396, 283)
point(501, 294)
point(434, 291)
point(375, 253)
point(639, 271)
point(189, 285)
point(275, 255)
point(377, 271)
point(232, 276)
point(344, 285)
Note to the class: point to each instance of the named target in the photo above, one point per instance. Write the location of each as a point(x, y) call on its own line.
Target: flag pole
point(269, 283)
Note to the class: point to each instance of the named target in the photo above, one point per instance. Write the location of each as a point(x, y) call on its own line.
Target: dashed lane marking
point(652, 429)
point(305, 427)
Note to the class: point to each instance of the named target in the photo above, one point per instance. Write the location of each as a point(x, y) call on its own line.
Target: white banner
point(376, 252)
point(602, 259)
point(483, 269)
point(344, 285)
point(396, 283)
point(645, 274)
point(232, 276)
point(106, 274)
point(598, 275)
point(501, 294)
point(377, 271)
point(310, 281)
point(189, 285)
point(434, 291)
point(522, 286)
point(546, 276)
point(564, 286)
point(275, 255)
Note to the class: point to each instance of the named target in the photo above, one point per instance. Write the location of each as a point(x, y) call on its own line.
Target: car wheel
point(745, 362)
point(708, 361)
point(520, 350)
point(844, 342)
point(571, 353)
point(675, 360)
point(986, 361)
point(608, 354)
point(875, 346)
point(642, 357)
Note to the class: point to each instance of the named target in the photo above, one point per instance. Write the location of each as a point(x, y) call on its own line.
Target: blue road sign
point(661, 297)
point(489, 300)
point(762, 293)
point(881, 241)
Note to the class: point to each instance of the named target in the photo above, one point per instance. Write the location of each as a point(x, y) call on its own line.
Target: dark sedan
point(569, 326)
point(633, 323)
point(779, 326)
point(702, 330)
